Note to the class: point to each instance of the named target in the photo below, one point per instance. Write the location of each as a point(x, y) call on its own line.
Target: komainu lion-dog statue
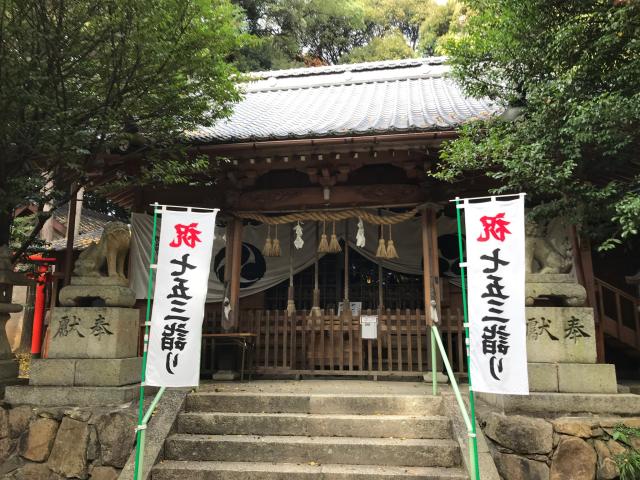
point(111, 250)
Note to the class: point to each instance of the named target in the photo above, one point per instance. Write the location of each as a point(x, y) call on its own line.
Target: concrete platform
point(56, 396)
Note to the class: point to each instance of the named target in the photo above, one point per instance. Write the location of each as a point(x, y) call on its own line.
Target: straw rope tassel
point(275, 248)
point(382, 249)
point(391, 249)
point(323, 246)
point(334, 245)
point(268, 247)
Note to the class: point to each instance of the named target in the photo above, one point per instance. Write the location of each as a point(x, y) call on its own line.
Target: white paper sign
point(495, 239)
point(184, 257)
point(369, 327)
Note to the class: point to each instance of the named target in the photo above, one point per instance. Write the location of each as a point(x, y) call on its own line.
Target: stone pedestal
point(111, 372)
point(561, 349)
point(90, 346)
point(561, 288)
point(97, 291)
point(572, 377)
point(94, 332)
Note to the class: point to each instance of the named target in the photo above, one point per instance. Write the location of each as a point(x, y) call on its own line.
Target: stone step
point(179, 470)
point(331, 425)
point(314, 403)
point(298, 449)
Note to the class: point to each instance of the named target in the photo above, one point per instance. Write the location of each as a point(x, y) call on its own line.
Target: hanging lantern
point(360, 240)
point(334, 245)
point(298, 242)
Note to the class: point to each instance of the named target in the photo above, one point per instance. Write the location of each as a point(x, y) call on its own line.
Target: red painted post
point(38, 311)
point(41, 278)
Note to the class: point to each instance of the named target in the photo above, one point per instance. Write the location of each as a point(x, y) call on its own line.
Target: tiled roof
point(90, 220)
point(80, 242)
point(91, 225)
point(413, 95)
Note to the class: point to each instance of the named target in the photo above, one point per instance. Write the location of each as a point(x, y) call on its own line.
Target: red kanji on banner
point(495, 227)
point(186, 234)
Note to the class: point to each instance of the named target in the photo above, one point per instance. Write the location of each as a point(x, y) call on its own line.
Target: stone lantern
point(8, 278)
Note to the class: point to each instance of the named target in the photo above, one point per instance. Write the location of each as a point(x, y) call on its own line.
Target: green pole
point(137, 470)
point(434, 368)
point(473, 441)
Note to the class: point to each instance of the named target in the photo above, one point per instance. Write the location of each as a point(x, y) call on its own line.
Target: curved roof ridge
point(348, 67)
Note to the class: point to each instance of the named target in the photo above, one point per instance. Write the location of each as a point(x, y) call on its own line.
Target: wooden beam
point(341, 195)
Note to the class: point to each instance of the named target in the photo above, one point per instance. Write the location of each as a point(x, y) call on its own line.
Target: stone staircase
point(277, 436)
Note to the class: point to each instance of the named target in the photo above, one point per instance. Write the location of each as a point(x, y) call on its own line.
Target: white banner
point(184, 258)
point(495, 239)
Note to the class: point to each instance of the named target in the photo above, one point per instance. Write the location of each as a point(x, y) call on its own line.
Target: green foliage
point(295, 32)
point(390, 47)
point(21, 227)
point(628, 462)
point(569, 69)
point(622, 433)
point(441, 24)
point(628, 465)
point(84, 79)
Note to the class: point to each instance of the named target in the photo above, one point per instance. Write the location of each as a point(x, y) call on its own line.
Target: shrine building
point(328, 214)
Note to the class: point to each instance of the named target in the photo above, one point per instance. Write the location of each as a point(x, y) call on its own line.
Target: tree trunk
point(5, 227)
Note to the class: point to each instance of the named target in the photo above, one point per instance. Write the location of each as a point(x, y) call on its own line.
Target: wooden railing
point(619, 314)
point(327, 344)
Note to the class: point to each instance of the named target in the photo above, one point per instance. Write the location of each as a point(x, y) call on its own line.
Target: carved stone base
point(561, 335)
point(94, 332)
point(560, 287)
point(102, 372)
point(566, 294)
point(97, 295)
point(572, 378)
point(77, 396)
point(100, 281)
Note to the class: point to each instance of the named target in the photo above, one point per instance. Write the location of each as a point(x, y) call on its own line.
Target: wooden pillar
point(346, 307)
point(234, 281)
point(291, 303)
point(316, 274)
point(432, 227)
point(346, 266)
point(583, 264)
point(71, 230)
point(426, 266)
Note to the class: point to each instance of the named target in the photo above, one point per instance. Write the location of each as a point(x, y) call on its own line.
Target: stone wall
point(564, 448)
point(54, 443)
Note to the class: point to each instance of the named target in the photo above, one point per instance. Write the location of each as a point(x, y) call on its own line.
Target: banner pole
point(137, 471)
point(473, 441)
